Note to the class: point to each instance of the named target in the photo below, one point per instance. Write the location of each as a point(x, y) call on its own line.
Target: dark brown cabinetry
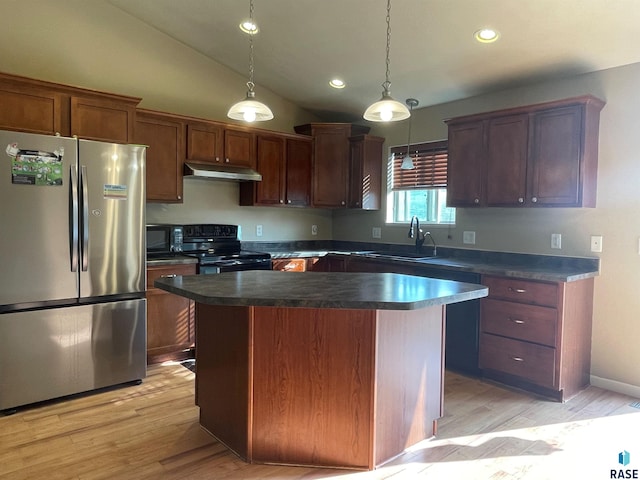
point(537, 335)
point(365, 171)
point(539, 155)
point(170, 318)
point(48, 108)
point(217, 143)
point(285, 165)
point(331, 263)
point(164, 135)
point(331, 162)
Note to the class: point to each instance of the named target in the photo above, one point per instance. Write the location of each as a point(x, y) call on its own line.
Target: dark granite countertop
point(379, 291)
point(529, 266)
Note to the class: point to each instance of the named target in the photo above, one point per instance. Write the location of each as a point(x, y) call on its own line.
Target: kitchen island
point(326, 369)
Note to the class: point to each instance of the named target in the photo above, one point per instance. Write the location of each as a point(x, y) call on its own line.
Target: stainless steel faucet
point(420, 236)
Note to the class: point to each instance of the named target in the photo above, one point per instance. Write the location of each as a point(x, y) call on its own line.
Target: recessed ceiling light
point(486, 35)
point(337, 83)
point(248, 26)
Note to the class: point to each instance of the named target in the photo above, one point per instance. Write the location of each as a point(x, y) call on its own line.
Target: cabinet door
point(507, 148)
point(30, 109)
point(271, 165)
point(466, 165)
point(102, 119)
point(365, 172)
point(239, 148)
point(204, 142)
point(555, 162)
point(330, 166)
point(298, 172)
point(165, 155)
point(170, 318)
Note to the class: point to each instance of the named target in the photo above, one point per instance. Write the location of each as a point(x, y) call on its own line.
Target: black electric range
point(218, 249)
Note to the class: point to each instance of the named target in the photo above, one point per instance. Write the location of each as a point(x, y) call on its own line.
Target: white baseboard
point(614, 386)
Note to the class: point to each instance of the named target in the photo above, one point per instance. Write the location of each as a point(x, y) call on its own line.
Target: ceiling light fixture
point(486, 35)
point(249, 26)
point(337, 83)
point(407, 162)
point(387, 109)
point(249, 109)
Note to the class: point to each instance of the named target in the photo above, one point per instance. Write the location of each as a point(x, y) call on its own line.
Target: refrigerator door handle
point(74, 220)
point(85, 219)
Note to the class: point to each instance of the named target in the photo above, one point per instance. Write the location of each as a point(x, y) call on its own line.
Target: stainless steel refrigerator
point(72, 266)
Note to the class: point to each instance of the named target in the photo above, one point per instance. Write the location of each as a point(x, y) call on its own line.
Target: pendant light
point(387, 109)
point(249, 109)
point(407, 163)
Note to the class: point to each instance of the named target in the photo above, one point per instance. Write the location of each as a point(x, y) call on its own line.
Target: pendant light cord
point(250, 83)
point(387, 83)
point(409, 137)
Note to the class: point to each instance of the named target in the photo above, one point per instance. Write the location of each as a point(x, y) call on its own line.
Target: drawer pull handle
point(517, 290)
point(517, 320)
point(517, 359)
point(171, 275)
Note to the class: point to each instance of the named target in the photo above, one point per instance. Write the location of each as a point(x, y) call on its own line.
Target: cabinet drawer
point(524, 322)
point(529, 361)
point(290, 265)
point(523, 291)
point(167, 270)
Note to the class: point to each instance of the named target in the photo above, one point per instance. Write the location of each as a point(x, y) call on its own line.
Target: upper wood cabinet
point(331, 162)
point(164, 135)
point(365, 172)
point(285, 165)
point(217, 143)
point(539, 155)
point(36, 106)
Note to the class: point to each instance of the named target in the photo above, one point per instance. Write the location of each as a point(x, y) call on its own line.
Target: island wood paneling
point(312, 395)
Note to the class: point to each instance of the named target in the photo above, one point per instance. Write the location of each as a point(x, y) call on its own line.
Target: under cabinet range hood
point(220, 172)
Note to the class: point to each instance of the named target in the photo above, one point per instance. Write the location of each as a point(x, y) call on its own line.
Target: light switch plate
point(258, 230)
point(376, 232)
point(556, 240)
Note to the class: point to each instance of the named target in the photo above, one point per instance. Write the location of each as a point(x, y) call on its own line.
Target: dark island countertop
point(377, 291)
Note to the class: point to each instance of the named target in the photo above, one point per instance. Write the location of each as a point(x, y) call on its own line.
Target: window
point(421, 191)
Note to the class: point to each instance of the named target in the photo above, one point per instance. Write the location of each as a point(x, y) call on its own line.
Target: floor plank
point(151, 431)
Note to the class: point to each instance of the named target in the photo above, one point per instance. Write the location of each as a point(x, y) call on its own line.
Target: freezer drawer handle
point(517, 290)
point(85, 219)
point(516, 320)
point(171, 275)
point(74, 219)
point(517, 359)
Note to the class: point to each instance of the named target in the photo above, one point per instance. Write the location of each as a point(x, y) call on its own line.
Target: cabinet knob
point(516, 321)
point(476, 200)
point(520, 200)
point(226, 160)
point(517, 290)
point(179, 197)
point(517, 359)
point(288, 201)
point(342, 202)
point(217, 159)
point(534, 199)
point(170, 275)
point(281, 201)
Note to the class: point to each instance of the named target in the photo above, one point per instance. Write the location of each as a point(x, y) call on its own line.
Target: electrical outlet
point(556, 240)
point(258, 230)
point(376, 232)
point(596, 243)
point(314, 229)
point(469, 237)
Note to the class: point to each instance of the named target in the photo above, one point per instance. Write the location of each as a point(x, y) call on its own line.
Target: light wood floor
point(151, 431)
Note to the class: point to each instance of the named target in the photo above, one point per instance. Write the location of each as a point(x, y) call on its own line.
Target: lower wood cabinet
point(537, 335)
point(170, 318)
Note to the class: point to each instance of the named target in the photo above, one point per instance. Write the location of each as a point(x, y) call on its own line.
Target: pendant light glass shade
point(250, 109)
point(387, 109)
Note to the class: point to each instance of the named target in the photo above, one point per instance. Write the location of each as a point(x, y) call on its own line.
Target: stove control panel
point(210, 232)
